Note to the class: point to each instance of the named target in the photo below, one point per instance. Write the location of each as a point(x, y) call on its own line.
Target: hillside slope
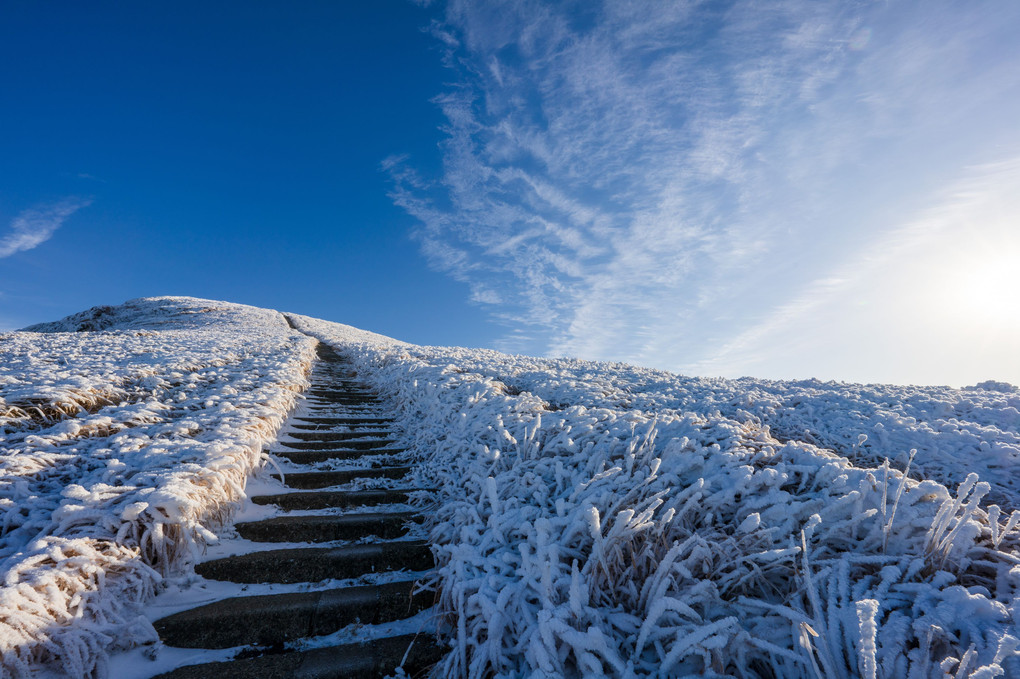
point(595, 518)
point(126, 436)
point(607, 519)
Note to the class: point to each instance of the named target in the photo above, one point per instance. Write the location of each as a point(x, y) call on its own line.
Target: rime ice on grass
point(602, 519)
point(593, 519)
point(126, 434)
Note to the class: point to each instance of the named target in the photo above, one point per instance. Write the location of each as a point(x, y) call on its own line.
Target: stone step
point(342, 397)
point(338, 383)
point(344, 407)
point(314, 428)
point(378, 658)
point(336, 499)
point(333, 405)
point(345, 398)
point(312, 564)
point(332, 390)
point(366, 410)
point(355, 428)
point(341, 421)
point(330, 379)
point(277, 618)
point(335, 368)
point(338, 445)
point(312, 456)
point(326, 528)
point(341, 384)
point(339, 435)
point(313, 480)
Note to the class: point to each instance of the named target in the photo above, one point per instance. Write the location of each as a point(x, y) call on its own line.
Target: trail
point(342, 516)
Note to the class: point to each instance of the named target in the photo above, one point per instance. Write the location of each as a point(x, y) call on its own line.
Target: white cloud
point(954, 265)
point(647, 181)
point(35, 226)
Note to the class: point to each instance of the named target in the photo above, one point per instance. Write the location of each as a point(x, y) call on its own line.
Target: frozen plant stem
point(887, 526)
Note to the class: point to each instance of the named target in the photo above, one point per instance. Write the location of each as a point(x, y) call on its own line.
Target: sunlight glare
point(982, 285)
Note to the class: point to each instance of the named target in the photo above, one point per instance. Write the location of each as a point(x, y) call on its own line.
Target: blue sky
point(788, 189)
point(223, 150)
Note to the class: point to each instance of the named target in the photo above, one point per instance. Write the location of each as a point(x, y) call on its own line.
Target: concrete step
point(277, 618)
point(312, 456)
point(312, 564)
point(378, 658)
point(340, 421)
point(370, 409)
point(328, 374)
point(342, 397)
point(315, 480)
point(339, 435)
point(336, 499)
point(319, 528)
point(318, 406)
point(353, 393)
point(335, 379)
point(350, 410)
point(339, 445)
point(369, 445)
point(351, 428)
point(339, 386)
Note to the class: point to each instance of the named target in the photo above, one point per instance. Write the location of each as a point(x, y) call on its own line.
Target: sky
point(791, 189)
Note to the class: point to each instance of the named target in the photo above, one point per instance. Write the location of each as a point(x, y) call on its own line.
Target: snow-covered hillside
point(121, 446)
point(595, 518)
point(607, 519)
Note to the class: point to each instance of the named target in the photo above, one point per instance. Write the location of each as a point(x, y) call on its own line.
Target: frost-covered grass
point(593, 519)
point(126, 434)
point(601, 519)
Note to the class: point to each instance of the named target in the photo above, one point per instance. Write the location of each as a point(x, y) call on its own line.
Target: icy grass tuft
point(603, 520)
point(126, 436)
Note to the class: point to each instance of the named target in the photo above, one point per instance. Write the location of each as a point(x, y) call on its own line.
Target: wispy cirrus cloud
point(35, 226)
point(647, 181)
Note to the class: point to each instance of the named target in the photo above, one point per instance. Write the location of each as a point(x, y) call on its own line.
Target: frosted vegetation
point(603, 519)
point(122, 445)
point(593, 519)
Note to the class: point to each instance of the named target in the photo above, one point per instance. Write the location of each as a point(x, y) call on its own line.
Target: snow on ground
point(594, 518)
point(126, 435)
point(602, 519)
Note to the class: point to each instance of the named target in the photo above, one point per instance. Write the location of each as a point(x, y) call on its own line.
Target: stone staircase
point(339, 438)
